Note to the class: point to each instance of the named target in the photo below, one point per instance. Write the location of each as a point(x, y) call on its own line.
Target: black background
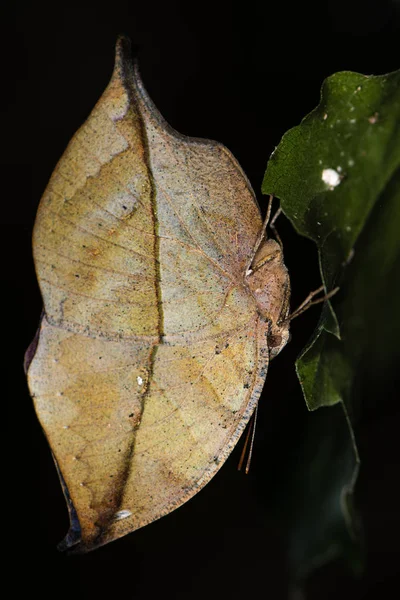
point(241, 73)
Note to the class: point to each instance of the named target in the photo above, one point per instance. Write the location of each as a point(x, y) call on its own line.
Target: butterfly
point(164, 301)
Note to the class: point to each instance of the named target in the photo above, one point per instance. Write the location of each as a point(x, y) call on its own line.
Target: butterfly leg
point(251, 431)
point(308, 302)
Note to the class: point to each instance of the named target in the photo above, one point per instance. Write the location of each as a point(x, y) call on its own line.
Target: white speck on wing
point(122, 514)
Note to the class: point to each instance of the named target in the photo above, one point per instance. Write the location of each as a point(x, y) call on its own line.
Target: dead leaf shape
point(162, 299)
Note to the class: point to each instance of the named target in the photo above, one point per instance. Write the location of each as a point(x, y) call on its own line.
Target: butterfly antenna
point(269, 210)
point(262, 234)
point(249, 438)
point(274, 229)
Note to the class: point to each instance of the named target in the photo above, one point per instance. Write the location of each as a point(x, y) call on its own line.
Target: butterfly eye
point(274, 341)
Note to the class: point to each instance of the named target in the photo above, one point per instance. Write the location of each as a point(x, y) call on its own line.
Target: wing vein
point(139, 276)
point(199, 248)
point(80, 228)
point(110, 300)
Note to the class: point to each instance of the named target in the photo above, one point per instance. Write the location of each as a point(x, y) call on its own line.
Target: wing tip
point(126, 61)
point(123, 50)
point(74, 534)
point(126, 65)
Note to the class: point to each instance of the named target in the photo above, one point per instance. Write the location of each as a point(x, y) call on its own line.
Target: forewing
point(208, 221)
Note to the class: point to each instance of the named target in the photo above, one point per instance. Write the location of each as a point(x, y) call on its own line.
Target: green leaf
point(338, 179)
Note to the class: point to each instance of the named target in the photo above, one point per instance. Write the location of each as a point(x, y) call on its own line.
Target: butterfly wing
point(151, 353)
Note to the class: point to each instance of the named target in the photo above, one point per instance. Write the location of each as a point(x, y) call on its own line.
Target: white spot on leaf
point(140, 380)
point(374, 118)
point(331, 178)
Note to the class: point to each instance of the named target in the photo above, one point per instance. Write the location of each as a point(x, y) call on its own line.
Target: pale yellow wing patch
point(94, 238)
point(88, 394)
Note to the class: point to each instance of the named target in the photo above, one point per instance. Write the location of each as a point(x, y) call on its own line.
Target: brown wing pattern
point(151, 353)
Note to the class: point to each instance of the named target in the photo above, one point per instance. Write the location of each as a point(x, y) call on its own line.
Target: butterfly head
point(268, 281)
